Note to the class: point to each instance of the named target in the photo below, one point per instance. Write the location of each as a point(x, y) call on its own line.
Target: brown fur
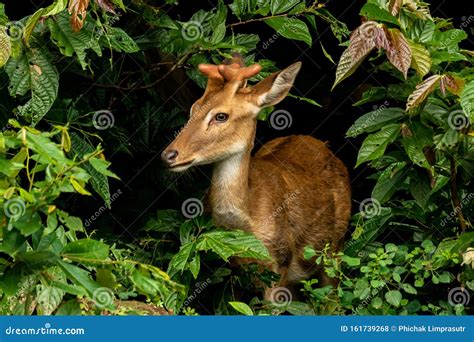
point(294, 192)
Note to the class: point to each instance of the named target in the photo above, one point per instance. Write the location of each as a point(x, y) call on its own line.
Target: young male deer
point(294, 192)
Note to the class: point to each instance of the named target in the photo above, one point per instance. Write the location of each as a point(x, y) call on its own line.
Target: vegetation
point(85, 80)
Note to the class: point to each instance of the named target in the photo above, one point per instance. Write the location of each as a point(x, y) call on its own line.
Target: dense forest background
point(111, 235)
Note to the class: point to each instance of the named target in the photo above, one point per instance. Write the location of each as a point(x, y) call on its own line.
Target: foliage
point(90, 79)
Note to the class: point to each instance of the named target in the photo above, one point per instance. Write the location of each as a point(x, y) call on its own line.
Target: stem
point(454, 194)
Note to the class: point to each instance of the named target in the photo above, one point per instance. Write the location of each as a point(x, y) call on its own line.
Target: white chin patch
point(180, 168)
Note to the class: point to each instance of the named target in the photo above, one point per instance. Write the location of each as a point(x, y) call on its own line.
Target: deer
point(293, 192)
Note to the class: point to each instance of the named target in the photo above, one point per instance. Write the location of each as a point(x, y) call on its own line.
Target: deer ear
point(275, 87)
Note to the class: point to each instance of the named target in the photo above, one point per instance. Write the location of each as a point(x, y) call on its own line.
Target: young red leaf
point(78, 11)
point(398, 51)
point(422, 91)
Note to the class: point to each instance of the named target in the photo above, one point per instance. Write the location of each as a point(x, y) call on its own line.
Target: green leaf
point(35, 261)
point(45, 148)
point(350, 261)
point(421, 59)
point(119, 40)
point(393, 297)
point(3, 16)
point(48, 299)
point(86, 250)
point(282, 6)
point(375, 120)
point(101, 166)
point(70, 42)
point(180, 260)
point(98, 181)
point(416, 138)
point(291, 28)
point(5, 46)
point(29, 223)
point(376, 303)
point(467, 100)
point(79, 276)
point(305, 99)
point(74, 223)
point(195, 265)
point(375, 144)
point(242, 308)
point(409, 289)
point(69, 308)
point(374, 12)
point(53, 9)
point(389, 182)
point(219, 33)
point(33, 71)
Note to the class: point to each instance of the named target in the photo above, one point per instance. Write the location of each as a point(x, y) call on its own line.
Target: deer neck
point(229, 193)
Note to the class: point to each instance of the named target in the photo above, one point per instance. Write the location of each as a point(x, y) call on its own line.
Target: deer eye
point(221, 117)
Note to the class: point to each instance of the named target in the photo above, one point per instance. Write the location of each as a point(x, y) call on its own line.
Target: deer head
point(223, 121)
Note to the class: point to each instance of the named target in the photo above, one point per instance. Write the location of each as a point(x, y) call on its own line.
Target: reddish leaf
point(78, 11)
point(394, 6)
point(106, 5)
point(422, 91)
point(453, 84)
point(362, 41)
point(398, 51)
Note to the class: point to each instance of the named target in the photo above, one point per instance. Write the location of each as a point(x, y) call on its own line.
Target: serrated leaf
point(101, 166)
point(467, 100)
point(180, 260)
point(291, 28)
point(375, 120)
point(70, 42)
point(5, 46)
point(421, 60)
point(398, 52)
point(422, 91)
point(375, 144)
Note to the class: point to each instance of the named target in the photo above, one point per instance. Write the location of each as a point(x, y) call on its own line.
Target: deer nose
point(169, 156)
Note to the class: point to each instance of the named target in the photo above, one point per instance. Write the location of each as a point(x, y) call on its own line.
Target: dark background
point(146, 186)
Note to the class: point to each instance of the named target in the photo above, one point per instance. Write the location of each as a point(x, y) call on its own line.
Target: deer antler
point(232, 70)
